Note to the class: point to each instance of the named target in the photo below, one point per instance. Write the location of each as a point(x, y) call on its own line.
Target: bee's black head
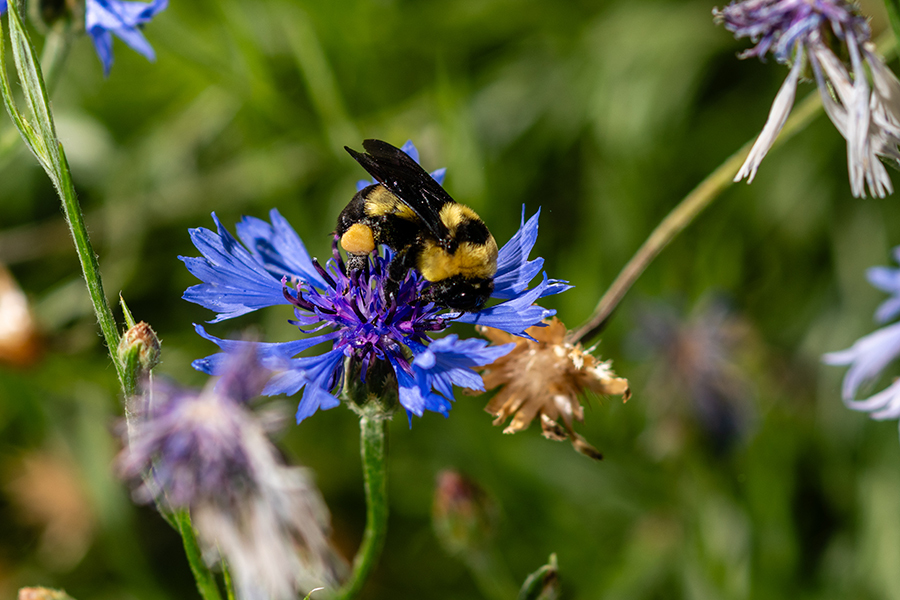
point(461, 293)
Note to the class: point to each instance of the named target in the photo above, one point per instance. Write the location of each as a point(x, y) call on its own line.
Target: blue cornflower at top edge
point(353, 313)
point(105, 18)
point(870, 354)
point(2, 6)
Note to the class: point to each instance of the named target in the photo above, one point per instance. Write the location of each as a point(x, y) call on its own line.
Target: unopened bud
point(39, 593)
point(140, 347)
point(543, 584)
point(463, 515)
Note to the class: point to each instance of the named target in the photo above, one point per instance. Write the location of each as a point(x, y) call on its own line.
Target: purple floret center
point(371, 323)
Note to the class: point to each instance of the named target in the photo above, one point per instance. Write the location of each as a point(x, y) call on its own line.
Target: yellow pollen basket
point(358, 240)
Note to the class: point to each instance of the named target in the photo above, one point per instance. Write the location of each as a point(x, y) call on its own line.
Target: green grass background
point(603, 114)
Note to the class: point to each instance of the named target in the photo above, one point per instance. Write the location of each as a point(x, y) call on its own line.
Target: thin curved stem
point(373, 447)
point(692, 205)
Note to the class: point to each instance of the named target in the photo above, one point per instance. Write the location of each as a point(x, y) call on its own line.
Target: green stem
point(893, 11)
point(229, 582)
point(692, 205)
point(206, 581)
point(90, 267)
point(373, 447)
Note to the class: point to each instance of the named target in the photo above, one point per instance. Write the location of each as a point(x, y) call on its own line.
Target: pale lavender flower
point(802, 32)
point(870, 354)
point(206, 452)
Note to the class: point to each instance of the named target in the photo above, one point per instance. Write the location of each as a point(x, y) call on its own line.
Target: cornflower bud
point(463, 515)
point(140, 346)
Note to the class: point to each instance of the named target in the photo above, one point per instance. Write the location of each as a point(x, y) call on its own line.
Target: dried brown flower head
point(544, 378)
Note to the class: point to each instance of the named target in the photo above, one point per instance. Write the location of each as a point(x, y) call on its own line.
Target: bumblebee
point(410, 213)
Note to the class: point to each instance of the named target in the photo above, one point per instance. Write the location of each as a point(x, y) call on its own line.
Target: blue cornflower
point(801, 31)
point(870, 354)
point(353, 314)
point(103, 18)
point(2, 6)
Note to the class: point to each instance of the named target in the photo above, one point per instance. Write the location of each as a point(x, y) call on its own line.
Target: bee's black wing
point(403, 176)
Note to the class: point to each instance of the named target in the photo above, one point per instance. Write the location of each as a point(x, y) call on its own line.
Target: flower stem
point(206, 581)
point(893, 11)
point(681, 216)
point(90, 267)
point(693, 204)
point(373, 447)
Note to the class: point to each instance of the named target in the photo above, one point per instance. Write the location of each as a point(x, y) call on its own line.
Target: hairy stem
point(373, 447)
point(206, 581)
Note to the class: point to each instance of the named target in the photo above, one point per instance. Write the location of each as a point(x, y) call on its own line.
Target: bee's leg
point(356, 262)
point(399, 266)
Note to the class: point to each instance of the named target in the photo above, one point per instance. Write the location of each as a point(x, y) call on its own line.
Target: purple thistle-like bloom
point(205, 451)
point(870, 354)
point(354, 315)
point(105, 18)
point(803, 32)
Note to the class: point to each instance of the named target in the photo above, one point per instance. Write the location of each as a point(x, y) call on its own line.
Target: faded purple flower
point(870, 354)
point(205, 451)
point(801, 32)
point(699, 369)
point(355, 316)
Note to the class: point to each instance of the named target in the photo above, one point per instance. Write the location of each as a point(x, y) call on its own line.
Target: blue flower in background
point(354, 316)
point(105, 18)
point(2, 6)
point(870, 354)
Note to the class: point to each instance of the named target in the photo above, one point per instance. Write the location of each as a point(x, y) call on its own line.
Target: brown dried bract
point(545, 378)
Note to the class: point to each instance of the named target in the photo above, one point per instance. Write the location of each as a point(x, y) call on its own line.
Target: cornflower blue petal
point(868, 356)
point(278, 248)
point(513, 316)
point(234, 281)
point(416, 396)
point(271, 354)
point(886, 279)
point(2, 6)
point(514, 270)
point(449, 360)
point(105, 17)
point(317, 376)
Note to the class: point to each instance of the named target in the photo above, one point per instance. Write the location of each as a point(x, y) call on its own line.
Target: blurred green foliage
point(604, 114)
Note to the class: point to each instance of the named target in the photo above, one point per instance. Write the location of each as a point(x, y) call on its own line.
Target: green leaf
point(25, 128)
point(29, 71)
